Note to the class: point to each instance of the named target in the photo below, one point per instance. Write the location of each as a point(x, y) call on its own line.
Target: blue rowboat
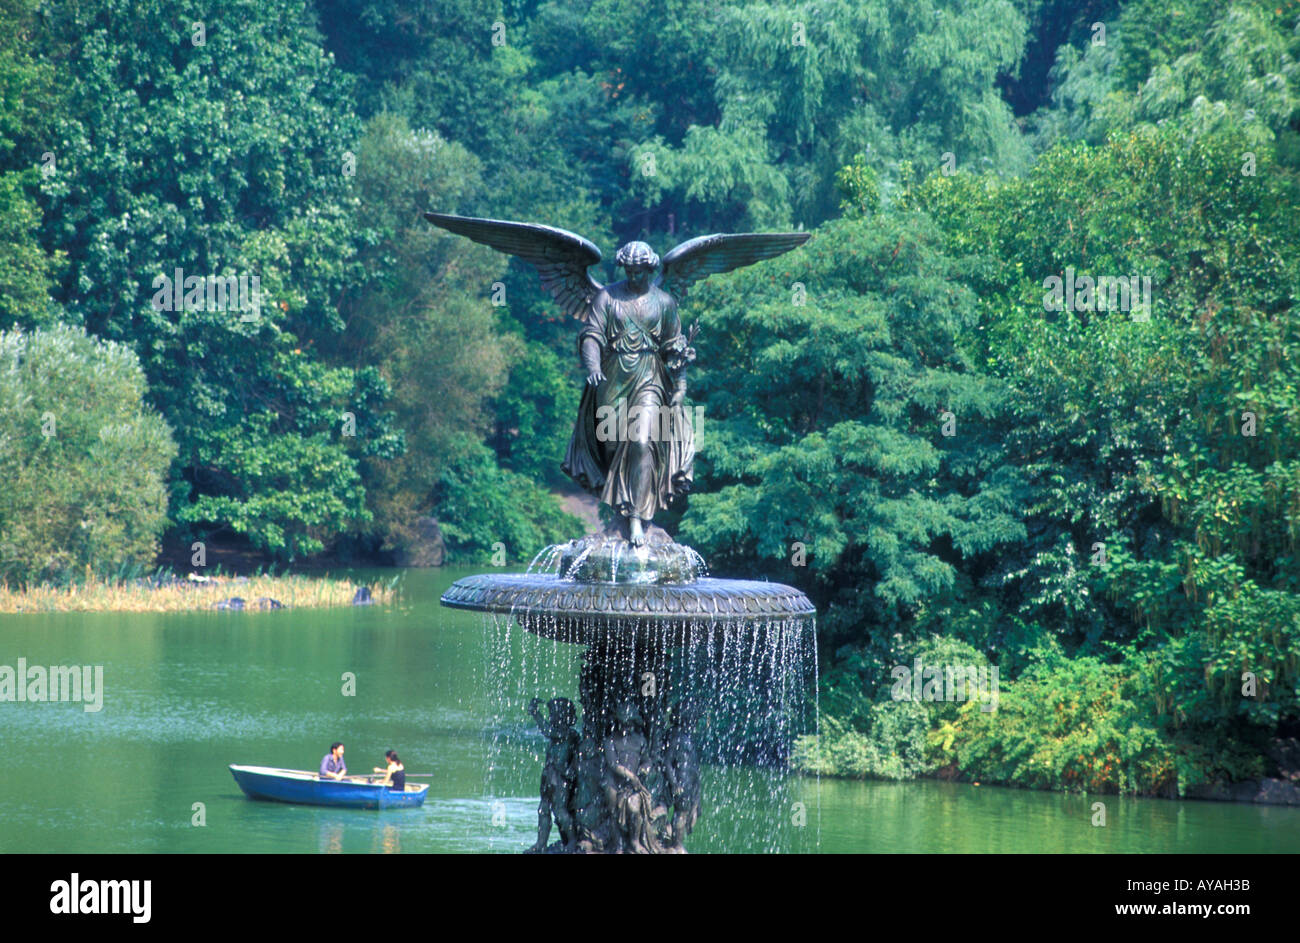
point(306, 788)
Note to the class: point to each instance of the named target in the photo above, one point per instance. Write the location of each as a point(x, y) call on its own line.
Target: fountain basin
point(665, 645)
point(573, 610)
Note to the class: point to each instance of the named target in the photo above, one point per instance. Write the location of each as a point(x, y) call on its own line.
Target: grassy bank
point(170, 594)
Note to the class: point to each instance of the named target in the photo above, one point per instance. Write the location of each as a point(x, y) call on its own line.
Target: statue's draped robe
point(644, 453)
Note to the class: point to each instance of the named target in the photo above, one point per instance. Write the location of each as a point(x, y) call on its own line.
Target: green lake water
point(188, 694)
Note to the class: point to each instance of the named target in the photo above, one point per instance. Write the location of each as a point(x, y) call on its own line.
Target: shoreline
point(167, 593)
point(1269, 791)
point(1278, 791)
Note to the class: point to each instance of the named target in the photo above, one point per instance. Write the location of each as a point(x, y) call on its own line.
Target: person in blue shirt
point(332, 765)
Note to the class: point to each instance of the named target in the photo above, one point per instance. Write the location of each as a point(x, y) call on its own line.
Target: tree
point(802, 88)
point(1198, 63)
point(212, 140)
point(83, 459)
point(425, 318)
point(842, 414)
point(26, 271)
point(1163, 447)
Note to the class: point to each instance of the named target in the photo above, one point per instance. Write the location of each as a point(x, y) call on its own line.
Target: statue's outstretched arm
point(535, 709)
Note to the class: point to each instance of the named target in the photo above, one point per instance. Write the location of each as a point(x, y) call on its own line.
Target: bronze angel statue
point(633, 446)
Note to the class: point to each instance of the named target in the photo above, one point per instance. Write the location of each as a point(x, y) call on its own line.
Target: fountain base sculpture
point(628, 779)
point(630, 782)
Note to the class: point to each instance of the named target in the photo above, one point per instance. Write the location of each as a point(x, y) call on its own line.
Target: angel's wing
point(698, 258)
point(560, 257)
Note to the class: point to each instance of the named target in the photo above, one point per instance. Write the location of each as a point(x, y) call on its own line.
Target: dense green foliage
point(26, 272)
point(83, 460)
point(1101, 502)
point(827, 419)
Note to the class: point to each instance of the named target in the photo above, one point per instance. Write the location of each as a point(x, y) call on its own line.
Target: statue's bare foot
point(638, 536)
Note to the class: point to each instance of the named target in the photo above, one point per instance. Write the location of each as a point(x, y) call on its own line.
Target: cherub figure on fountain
point(629, 761)
point(559, 772)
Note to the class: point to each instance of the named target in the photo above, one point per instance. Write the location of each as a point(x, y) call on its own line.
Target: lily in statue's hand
point(595, 378)
point(677, 354)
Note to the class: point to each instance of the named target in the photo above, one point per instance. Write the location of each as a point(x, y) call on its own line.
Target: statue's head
point(638, 260)
point(637, 254)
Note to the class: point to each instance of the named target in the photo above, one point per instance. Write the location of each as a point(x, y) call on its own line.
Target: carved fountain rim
point(537, 595)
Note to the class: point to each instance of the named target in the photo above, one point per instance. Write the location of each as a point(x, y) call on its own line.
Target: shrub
point(83, 461)
point(479, 504)
point(894, 747)
point(1075, 724)
point(865, 732)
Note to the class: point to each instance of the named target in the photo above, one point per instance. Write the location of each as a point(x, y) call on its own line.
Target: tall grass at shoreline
point(166, 593)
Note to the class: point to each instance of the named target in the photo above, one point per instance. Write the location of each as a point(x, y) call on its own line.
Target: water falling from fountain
point(689, 686)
